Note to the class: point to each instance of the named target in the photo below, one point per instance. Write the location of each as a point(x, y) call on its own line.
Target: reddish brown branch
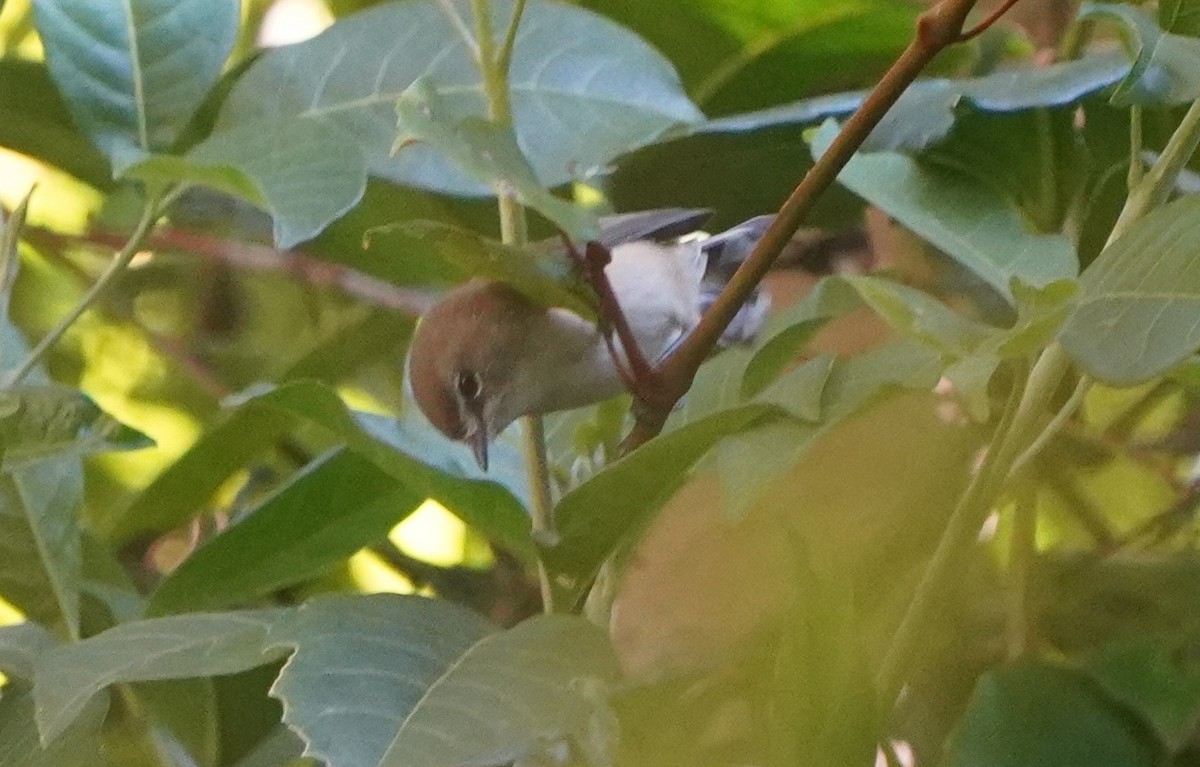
point(937, 28)
point(992, 18)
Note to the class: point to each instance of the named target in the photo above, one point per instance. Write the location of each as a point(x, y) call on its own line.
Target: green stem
point(1022, 549)
point(1135, 148)
point(1056, 423)
point(493, 70)
point(150, 214)
point(1015, 430)
point(1160, 179)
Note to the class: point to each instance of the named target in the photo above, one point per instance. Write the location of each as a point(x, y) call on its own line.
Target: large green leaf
point(1034, 713)
point(302, 173)
point(133, 73)
point(1166, 69)
point(583, 89)
point(969, 222)
point(19, 647)
point(408, 681)
point(1136, 312)
point(333, 508)
point(1181, 17)
point(178, 647)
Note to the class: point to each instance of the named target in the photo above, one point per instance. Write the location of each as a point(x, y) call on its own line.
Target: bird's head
point(461, 362)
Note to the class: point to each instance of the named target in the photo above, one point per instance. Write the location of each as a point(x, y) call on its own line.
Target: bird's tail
point(724, 253)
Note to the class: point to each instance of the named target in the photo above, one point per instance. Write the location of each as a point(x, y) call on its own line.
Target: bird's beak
point(478, 440)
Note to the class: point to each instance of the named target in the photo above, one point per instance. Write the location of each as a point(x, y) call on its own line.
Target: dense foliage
point(943, 510)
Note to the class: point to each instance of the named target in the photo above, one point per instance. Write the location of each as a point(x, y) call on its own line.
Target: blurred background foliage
point(757, 603)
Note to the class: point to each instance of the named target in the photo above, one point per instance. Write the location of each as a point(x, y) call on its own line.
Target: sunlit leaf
point(1135, 315)
point(133, 73)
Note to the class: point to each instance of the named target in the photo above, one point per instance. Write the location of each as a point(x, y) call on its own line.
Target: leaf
point(35, 122)
point(967, 221)
point(545, 279)
point(338, 504)
point(1180, 17)
point(79, 746)
point(747, 463)
point(304, 174)
point(177, 647)
point(42, 420)
point(19, 647)
point(182, 490)
point(388, 680)
point(926, 111)
point(1035, 713)
point(574, 103)
point(486, 151)
point(1166, 68)
point(133, 76)
point(1142, 676)
point(1135, 316)
point(39, 539)
point(593, 518)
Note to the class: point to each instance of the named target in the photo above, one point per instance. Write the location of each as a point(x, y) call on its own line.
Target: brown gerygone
point(485, 355)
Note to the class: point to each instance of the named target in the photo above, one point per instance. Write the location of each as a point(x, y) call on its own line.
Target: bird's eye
point(468, 385)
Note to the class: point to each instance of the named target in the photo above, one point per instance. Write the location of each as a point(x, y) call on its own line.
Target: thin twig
point(150, 214)
point(992, 18)
point(1056, 423)
point(1022, 550)
point(504, 55)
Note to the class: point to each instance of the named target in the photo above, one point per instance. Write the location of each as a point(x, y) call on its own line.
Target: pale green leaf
point(1139, 302)
point(1166, 68)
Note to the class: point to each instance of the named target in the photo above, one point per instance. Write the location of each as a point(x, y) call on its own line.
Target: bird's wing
point(661, 224)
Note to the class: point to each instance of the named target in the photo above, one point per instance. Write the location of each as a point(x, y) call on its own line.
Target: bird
point(485, 355)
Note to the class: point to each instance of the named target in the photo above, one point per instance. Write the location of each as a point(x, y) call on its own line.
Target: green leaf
point(595, 517)
point(79, 746)
point(510, 695)
point(35, 122)
point(39, 540)
point(1181, 17)
point(966, 220)
point(545, 279)
point(43, 420)
point(1166, 68)
point(177, 647)
point(583, 89)
point(389, 680)
point(133, 75)
point(1136, 312)
point(927, 111)
point(1142, 676)
point(338, 504)
point(1035, 713)
point(487, 152)
point(303, 173)
point(747, 463)
point(19, 647)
